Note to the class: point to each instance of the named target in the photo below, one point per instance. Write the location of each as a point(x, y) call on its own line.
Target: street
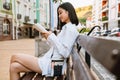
point(8, 48)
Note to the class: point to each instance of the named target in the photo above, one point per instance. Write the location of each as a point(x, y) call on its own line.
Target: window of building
point(119, 10)
point(6, 27)
point(119, 23)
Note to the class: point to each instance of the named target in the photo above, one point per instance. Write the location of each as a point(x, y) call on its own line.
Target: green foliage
point(87, 29)
point(104, 18)
point(82, 20)
point(84, 30)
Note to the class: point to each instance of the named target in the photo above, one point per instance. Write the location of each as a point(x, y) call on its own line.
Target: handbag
point(58, 66)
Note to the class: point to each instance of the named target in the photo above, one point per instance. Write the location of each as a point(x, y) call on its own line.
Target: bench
point(105, 51)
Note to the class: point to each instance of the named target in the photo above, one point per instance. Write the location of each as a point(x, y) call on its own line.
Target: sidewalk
point(7, 48)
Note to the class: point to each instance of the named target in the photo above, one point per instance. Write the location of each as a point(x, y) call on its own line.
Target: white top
point(61, 46)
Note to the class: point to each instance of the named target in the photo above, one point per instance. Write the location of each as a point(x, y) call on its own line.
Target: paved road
point(7, 48)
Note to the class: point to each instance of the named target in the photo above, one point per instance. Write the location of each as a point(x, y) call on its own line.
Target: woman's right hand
point(46, 34)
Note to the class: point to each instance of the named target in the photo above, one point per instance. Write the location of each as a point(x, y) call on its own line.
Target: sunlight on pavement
point(8, 48)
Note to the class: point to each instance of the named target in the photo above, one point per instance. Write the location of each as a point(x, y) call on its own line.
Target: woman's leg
point(23, 63)
point(15, 69)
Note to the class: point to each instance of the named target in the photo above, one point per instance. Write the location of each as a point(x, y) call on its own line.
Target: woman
point(61, 46)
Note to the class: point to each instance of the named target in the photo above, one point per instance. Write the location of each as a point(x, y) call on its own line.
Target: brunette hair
point(72, 14)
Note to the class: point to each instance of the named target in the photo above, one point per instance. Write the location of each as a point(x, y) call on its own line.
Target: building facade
point(106, 13)
point(16, 20)
point(53, 12)
point(24, 17)
point(6, 15)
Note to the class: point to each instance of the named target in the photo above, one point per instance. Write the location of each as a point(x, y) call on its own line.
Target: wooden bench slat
point(49, 78)
point(69, 75)
point(60, 78)
point(56, 78)
point(80, 68)
point(28, 76)
point(39, 77)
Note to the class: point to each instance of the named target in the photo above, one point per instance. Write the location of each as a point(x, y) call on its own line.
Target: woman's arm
point(42, 30)
point(64, 47)
point(46, 34)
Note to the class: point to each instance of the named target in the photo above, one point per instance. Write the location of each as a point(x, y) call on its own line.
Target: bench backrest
point(105, 51)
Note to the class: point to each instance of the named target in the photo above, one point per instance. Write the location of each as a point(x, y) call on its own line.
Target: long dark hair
point(72, 14)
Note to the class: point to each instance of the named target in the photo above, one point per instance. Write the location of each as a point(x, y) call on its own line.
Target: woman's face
point(63, 15)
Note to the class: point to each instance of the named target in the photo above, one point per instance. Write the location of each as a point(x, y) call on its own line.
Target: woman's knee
point(15, 67)
point(14, 57)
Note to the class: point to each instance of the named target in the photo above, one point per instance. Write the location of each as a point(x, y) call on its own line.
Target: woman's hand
point(46, 34)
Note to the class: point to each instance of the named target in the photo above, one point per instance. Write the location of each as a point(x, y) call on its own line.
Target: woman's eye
point(60, 13)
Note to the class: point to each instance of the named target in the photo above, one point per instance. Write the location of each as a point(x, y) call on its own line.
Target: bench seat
point(37, 76)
